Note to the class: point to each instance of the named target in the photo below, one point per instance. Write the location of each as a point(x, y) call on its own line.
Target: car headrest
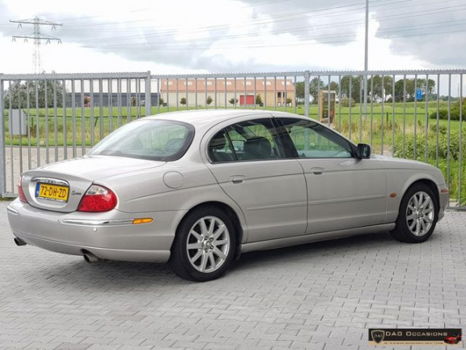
point(218, 142)
point(258, 148)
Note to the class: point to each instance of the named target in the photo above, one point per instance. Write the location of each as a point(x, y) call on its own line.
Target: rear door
point(343, 191)
point(248, 162)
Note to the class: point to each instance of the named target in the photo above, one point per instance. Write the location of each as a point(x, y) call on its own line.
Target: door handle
point(237, 179)
point(317, 171)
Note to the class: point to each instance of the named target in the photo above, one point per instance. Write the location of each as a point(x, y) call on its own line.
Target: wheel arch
point(426, 180)
point(232, 214)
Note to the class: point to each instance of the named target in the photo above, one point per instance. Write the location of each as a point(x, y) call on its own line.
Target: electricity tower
point(36, 36)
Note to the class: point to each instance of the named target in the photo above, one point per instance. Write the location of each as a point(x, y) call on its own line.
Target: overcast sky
point(177, 36)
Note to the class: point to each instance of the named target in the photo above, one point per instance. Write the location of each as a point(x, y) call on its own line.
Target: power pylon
point(36, 36)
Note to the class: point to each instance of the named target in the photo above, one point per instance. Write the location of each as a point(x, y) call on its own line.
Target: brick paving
point(318, 296)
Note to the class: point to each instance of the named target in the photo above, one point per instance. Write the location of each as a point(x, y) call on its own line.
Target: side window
point(220, 148)
point(248, 140)
point(313, 140)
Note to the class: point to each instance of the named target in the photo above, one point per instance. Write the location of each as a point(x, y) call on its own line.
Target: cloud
point(433, 31)
point(320, 20)
point(232, 35)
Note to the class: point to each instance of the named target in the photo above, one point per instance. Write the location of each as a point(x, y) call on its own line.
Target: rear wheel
point(418, 215)
point(204, 245)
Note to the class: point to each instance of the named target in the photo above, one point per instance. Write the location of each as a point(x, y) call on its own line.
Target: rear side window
point(152, 139)
point(245, 141)
point(220, 149)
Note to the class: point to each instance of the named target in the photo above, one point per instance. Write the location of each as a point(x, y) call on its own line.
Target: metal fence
point(415, 114)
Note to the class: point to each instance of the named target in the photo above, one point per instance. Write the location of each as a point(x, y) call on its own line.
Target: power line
point(316, 29)
point(36, 36)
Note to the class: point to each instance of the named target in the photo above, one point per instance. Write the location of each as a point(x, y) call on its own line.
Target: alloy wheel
point(208, 244)
point(420, 213)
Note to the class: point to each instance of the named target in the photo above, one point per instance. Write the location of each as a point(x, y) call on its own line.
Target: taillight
point(21, 195)
point(98, 198)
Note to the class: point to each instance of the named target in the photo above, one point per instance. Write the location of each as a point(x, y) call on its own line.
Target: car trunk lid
point(60, 186)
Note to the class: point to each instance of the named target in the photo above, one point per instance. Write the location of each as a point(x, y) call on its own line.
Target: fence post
point(2, 141)
point(147, 90)
point(306, 93)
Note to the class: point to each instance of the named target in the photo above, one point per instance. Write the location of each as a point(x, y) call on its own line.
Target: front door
point(343, 191)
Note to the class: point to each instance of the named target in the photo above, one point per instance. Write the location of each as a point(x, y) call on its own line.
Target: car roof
point(204, 117)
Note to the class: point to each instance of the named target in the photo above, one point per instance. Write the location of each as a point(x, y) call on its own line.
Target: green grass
point(101, 121)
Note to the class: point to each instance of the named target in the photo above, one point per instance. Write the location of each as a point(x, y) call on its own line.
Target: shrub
point(445, 145)
point(208, 100)
point(258, 100)
point(347, 102)
point(454, 111)
point(183, 100)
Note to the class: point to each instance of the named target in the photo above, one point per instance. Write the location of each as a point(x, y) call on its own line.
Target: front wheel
point(204, 245)
point(418, 215)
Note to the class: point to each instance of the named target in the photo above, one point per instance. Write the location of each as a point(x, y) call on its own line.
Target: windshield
point(152, 139)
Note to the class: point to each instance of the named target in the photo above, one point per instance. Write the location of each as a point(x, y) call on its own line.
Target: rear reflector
point(98, 199)
point(21, 195)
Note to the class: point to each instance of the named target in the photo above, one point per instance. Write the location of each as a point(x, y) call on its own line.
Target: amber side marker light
point(393, 195)
point(142, 221)
point(444, 190)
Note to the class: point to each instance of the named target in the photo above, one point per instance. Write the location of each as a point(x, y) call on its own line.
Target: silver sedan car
point(197, 188)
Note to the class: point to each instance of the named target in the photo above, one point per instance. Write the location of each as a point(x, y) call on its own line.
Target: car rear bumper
point(108, 235)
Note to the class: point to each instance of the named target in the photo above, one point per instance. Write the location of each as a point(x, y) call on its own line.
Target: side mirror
point(364, 151)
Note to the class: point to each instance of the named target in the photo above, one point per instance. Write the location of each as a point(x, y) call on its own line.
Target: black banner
point(392, 336)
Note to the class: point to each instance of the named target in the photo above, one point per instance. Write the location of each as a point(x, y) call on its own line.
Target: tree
point(375, 88)
point(233, 101)
point(355, 86)
point(299, 88)
point(288, 101)
point(87, 101)
point(315, 85)
point(404, 90)
point(19, 93)
point(208, 100)
point(183, 100)
point(259, 100)
point(333, 86)
point(161, 101)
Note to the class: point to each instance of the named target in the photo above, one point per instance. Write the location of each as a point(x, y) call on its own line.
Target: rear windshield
point(152, 139)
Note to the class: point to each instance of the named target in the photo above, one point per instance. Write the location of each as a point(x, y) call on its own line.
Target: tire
point(418, 215)
point(202, 252)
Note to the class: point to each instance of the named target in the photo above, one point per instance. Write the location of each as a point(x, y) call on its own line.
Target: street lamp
point(366, 57)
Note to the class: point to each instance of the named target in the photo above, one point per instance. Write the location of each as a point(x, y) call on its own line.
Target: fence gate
point(416, 114)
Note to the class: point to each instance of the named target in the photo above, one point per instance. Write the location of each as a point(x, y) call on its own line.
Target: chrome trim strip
point(51, 181)
point(91, 222)
point(343, 200)
point(316, 237)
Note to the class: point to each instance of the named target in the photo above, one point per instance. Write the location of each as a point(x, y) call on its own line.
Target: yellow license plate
point(55, 192)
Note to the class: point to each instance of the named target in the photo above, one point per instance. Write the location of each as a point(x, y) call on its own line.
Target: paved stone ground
point(318, 296)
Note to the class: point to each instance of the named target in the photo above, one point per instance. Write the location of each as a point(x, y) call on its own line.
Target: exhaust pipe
point(19, 242)
point(89, 257)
